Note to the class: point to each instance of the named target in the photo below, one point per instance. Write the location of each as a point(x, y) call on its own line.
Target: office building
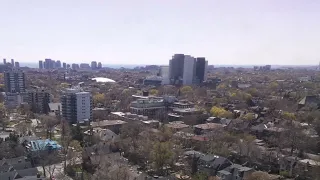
point(64, 65)
point(47, 63)
point(12, 62)
point(40, 64)
point(75, 66)
point(176, 69)
point(201, 69)
point(99, 65)
point(68, 66)
point(94, 65)
point(164, 73)
point(58, 64)
point(39, 100)
point(76, 106)
point(52, 64)
point(4, 61)
point(14, 81)
point(17, 64)
point(84, 66)
point(187, 70)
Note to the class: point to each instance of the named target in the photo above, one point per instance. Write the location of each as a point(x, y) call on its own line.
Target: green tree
point(220, 112)
point(249, 116)
point(288, 115)
point(154, 92)
point(161, 155)
point(99, 98)
point(186, 89)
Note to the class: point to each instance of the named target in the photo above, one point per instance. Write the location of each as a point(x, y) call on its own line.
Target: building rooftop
point(54, 106)
point(185, 110)
point(208, 126)
point(43, 145)
point(107, 123)
point(177, 125)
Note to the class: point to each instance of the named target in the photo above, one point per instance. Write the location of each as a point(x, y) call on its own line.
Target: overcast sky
point(151, 31)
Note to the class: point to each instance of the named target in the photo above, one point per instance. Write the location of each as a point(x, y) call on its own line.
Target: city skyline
point(146, 32)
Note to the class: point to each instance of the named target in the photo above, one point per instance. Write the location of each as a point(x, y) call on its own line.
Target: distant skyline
point(226, 32)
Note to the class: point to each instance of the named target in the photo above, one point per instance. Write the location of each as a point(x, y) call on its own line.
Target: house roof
point(208, 126)
point(309, 100)
point(42, 144)
point(28, 172)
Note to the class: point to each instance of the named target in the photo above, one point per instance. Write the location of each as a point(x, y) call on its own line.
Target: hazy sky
point(151, 31)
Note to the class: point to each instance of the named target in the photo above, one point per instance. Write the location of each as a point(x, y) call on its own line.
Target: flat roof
point(208, 126)
point(107, 123)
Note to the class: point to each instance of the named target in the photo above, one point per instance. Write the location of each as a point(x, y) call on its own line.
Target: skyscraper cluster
point(186, 70)
point(12, 63)
point(52, 64)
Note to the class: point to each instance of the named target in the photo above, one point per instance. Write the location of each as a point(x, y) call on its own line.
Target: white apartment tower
point(76, 106)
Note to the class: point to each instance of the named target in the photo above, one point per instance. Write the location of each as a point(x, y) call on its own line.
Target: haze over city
point(150, 32)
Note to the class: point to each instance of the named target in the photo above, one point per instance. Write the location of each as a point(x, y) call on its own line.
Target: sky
point(226, 32)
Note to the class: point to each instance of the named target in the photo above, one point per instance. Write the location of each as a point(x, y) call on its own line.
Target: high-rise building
point(99, 65)
point(15, 81)
point(84, 66)
point(52, 64)
point(176, 68)
point(58, 64)
point(75, 66)
point(186, 70)
point(39, 100)
point(68, 66)
point(76, 106)
point(64, 65)
point(12, 62)
point(94, 65)
point(40, 64)
point(47, 63)
point(201, 69)
point(17, 64)
point(4, 61)
point(164, 73)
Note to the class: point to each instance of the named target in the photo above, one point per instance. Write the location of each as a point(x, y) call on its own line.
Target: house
point(18, 168)
point(113, 125)
point(40, 145)
point(309, 101)
point(203, 128)
point(212, 164)
point(104, 135)
point(177, 126)
point(235, 172)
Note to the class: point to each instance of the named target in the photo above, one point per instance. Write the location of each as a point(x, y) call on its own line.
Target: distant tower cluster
point(12, 64)
point(52, 64)
point(187, 70)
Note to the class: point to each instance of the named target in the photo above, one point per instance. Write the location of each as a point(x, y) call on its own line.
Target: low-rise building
point(148, 106)
point(113, 125)
point(204, 128)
